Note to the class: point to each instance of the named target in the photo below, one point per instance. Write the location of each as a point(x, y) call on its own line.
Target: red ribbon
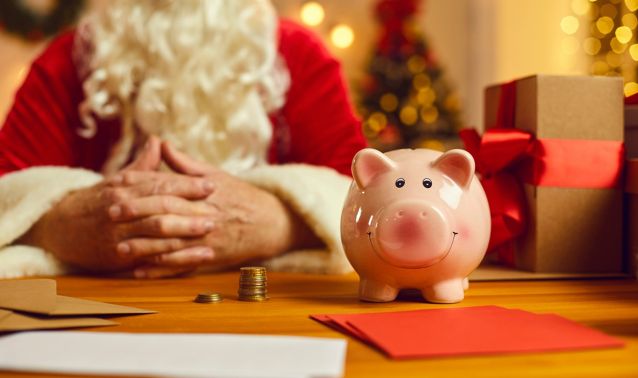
point(507, 157)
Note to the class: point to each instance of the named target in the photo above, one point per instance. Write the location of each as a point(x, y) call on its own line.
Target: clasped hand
point(160, 224)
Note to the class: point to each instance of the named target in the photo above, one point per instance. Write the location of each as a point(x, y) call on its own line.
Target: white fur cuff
point(24, 197)
point(317, 195)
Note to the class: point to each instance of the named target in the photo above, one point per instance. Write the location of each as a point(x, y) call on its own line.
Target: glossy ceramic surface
point(414, 219)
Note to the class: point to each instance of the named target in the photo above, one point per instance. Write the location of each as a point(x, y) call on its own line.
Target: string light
point(580, 7)
point(408, 115)
point(421, 81)
point(377, 121)
point(611, 43)
point(569, 24)
point(623, 34)
point(631, 88)
point(312, 13)
point(389, 102)
point(630, 20)
point(592, 46)
point(605, 24)
point(342, 36)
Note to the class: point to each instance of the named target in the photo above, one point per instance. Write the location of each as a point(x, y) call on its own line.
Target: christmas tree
point(404, 98)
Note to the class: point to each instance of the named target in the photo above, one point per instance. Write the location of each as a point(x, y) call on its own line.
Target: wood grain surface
point(607, 305)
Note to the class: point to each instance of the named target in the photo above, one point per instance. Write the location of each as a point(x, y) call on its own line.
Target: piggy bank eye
point(427, 183)
point(399, 183)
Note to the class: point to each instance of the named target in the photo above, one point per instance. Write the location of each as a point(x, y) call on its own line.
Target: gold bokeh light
point(312, 13)
point(377, 121)
point(632, 5)
point(605, 24)
point(569, 24)
point(631, 88)
point(342, 36)
point(389, 102)
point(617, 46)
point(580, 7)
point(623, 34)
point(630, 20)
point(592, 45)
point(408, 115)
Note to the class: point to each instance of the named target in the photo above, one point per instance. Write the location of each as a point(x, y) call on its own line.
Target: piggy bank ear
point(457, 165)
point(369, 163)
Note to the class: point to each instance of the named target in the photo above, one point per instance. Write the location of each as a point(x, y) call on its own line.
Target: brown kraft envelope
point(39, 296)
point(13, 321)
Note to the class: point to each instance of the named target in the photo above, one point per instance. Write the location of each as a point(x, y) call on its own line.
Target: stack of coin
point(208, 297)
point(252, 284)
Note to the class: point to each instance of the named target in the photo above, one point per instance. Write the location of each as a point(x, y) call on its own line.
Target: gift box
point(551, 163)
point(631, 216)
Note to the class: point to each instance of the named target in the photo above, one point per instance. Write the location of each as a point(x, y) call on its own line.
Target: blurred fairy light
point(342, 36)
point(623, 34)
point(312, 13)
point(389, 102)
point(569, 24)
point(631, 88)
point(605, 24)
point(377, 121)
point(580, 7)
point(408, 115)
point(611, 27)
point(630, 20)
point(591, 46)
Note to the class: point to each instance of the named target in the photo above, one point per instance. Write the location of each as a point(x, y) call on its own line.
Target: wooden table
point(608, 305)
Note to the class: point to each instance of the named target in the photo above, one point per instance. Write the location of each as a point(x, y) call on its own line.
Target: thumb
point(149, 158)
point(184, 164)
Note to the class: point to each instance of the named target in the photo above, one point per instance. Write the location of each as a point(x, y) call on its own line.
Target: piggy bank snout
point(412, 234)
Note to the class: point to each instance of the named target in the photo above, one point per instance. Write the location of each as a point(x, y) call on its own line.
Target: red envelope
point(467, 331)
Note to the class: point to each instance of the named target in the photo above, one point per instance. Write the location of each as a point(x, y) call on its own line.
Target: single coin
point(208, 297)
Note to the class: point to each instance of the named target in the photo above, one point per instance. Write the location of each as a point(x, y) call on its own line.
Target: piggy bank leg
point(450, 291)
point(466, 283)
point(372, 291)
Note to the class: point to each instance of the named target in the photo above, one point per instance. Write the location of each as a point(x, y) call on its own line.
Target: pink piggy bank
point(414, 219)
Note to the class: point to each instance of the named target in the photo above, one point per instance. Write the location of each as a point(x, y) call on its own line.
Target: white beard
point(201, 74)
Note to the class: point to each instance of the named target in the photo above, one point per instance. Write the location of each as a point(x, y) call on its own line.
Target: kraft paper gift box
point(574, 219)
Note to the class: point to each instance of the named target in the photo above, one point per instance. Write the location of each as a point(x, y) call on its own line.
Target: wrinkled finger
point(168, 226)
point(189, 257)
point(182, 163)
point(149, 158)
point(143, 247)
point(152, 271)
point(145, 183)
point(155, 205)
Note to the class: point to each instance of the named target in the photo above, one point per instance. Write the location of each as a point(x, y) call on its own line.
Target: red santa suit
point(42, 156)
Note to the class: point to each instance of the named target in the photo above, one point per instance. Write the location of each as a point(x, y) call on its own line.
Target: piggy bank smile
point(411, 234)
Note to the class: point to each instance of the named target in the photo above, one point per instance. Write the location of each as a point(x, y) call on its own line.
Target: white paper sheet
point(173, 355)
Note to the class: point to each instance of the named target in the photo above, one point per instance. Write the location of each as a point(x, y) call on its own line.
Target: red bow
point(507, 157)
point(496, 155)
